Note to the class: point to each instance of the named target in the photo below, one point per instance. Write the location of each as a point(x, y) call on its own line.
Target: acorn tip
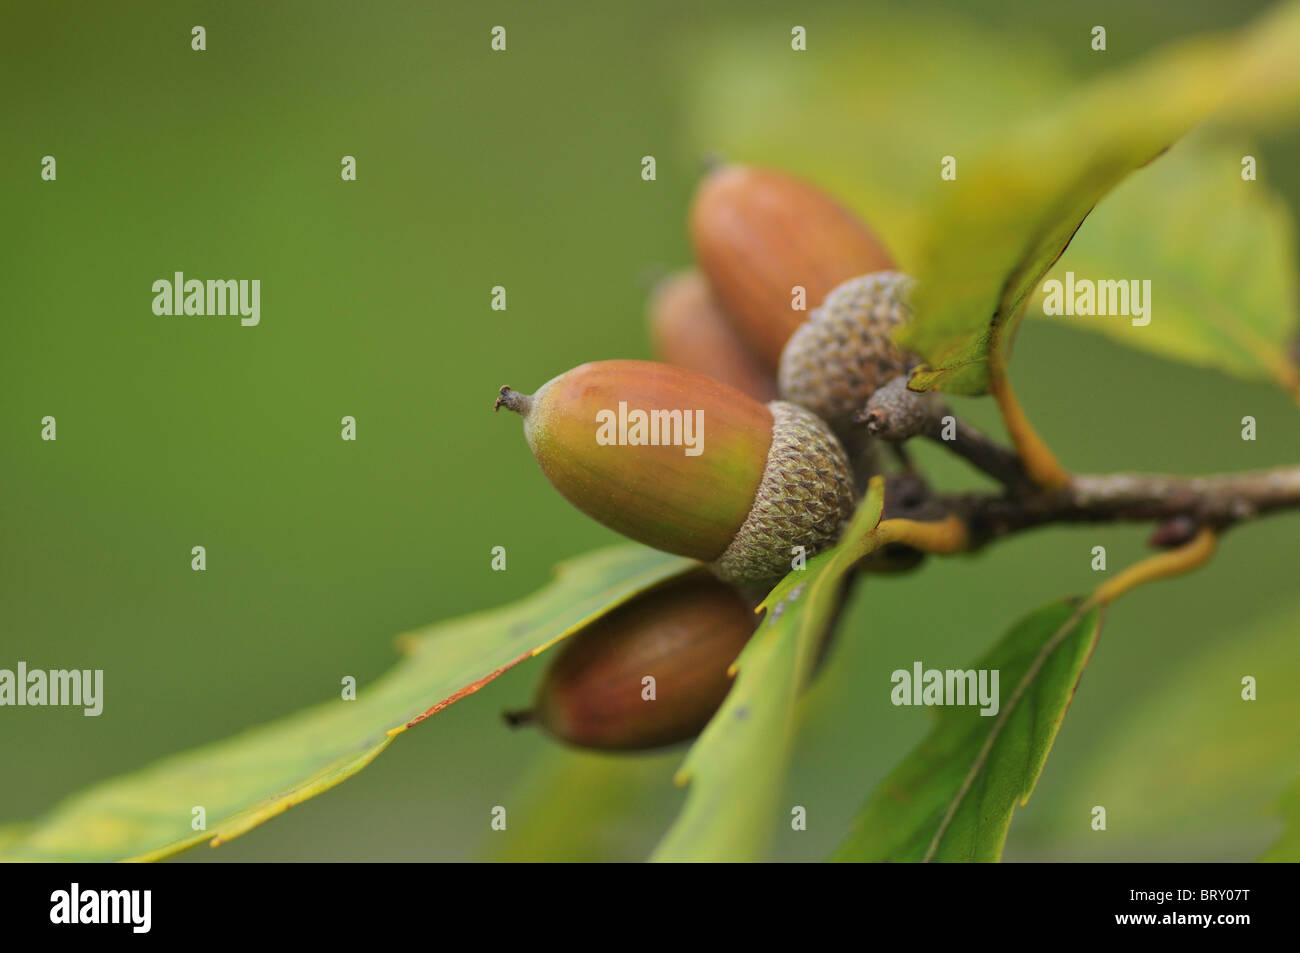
point(512, 400)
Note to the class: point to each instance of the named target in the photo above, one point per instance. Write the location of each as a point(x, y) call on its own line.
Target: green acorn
point(649, 674)
point(688, 465)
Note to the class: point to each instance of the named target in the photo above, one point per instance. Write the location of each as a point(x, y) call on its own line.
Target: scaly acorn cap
point(804, 499)
point(685, 634)
point(683, 463)
point(758, 234)
point(689, 328)
point(845, 350)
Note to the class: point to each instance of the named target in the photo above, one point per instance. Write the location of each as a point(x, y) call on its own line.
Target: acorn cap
point(689, 328)
point(757, 234)
point(845, 351)
point(805, 498)
point(684, 635)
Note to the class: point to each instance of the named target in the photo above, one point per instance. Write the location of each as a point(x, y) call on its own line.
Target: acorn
point(689, 328)
point(758, 234)
point(845, 351)
point(649, 674)
point(689, 465)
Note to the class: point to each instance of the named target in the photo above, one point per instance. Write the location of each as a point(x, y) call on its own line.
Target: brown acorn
point(683, 463)
point(684, 636)
point(845, 351)
point(689, 328)
point(757, 234)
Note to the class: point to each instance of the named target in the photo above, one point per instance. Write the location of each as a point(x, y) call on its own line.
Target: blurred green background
point(522, 169)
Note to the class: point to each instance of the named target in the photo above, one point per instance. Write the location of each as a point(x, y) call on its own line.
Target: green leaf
point(248, 779)
point(1287, 849)
point(10, 833)
point(855, 114)
point(1220, 255)
point(952, 797)
point(1012, 210)
point(736, 768)
point(580, 807)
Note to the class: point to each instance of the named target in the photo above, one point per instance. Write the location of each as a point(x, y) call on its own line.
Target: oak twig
point(1218, 502)
point(1180, 506)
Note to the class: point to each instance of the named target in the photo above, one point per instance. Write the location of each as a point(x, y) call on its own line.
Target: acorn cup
point(688, 465)
point(845, 351)
point(758, 234)
point(688, 328)
point(650, 674)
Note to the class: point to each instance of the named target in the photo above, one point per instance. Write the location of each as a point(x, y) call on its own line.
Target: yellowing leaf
point(1012, 210)
point(871, 110)
point(248, 779)
point(1219, 253)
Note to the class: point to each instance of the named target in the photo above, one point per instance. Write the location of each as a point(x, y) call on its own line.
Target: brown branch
point(1216, 501)
point(978, 450)
point(1180, 505)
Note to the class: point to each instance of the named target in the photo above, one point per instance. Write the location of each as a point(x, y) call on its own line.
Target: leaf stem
point(945, 537)
point(1039, 461)
point(1185, 558)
